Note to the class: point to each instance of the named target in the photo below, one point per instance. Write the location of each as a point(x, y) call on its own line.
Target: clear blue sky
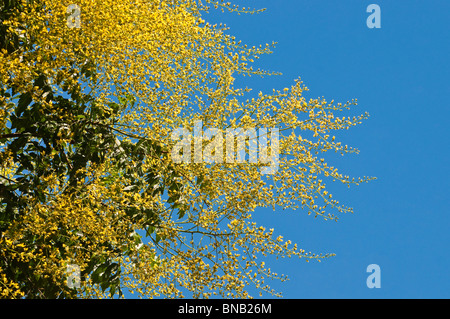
point(400, 75)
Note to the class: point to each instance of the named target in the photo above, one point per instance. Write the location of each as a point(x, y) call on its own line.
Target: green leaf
point(182, 212)
point(150, 230)
point(199, 179)
point(24, 100)
point(98, 273)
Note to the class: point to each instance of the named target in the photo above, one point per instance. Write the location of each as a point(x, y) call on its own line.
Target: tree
point(88, 175)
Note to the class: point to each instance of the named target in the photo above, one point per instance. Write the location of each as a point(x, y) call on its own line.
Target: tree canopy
point(87, 176)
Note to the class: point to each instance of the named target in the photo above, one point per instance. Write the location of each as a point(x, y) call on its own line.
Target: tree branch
point(11, 135)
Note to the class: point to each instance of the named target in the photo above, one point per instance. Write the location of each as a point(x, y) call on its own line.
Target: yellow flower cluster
point(179, 68)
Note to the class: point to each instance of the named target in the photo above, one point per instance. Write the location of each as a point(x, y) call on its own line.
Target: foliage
point(86, 174)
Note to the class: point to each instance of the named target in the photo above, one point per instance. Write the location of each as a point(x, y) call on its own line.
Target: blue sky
point(400, 75)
